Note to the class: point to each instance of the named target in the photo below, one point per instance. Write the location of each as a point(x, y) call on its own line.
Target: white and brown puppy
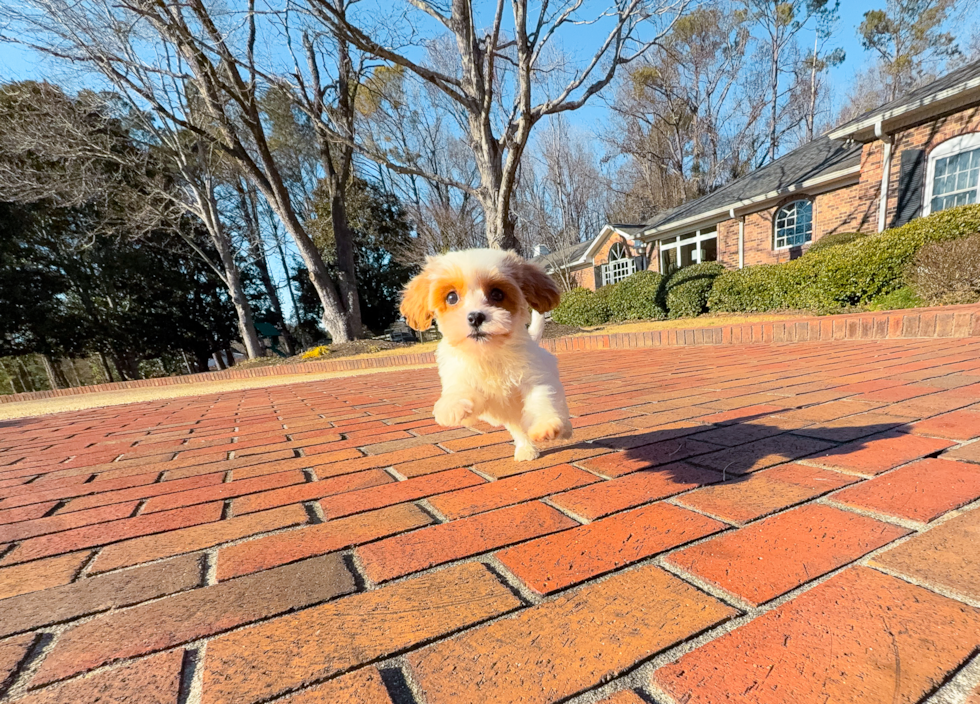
point(490, 363)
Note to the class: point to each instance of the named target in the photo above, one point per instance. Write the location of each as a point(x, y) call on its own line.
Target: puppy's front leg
point(546, 414)
point(454, 409)
point(524, 450)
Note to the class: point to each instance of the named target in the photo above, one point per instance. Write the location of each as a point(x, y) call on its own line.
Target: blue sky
point(21, 64)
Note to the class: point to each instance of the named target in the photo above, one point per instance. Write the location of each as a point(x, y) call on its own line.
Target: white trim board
point(828, 182)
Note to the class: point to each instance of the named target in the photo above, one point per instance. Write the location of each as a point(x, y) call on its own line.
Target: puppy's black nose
point(476, 318)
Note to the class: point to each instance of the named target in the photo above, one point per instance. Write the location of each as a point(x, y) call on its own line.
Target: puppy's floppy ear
point(538, 288)
point(415, 302)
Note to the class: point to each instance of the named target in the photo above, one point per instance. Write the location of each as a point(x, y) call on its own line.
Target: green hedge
point(687, 289)
point(836, 239)
point(838, 277)
point(582, 308)
point(637, 297)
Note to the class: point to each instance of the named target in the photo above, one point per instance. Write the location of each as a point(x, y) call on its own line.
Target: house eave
point(820, 184)
point(955, 98)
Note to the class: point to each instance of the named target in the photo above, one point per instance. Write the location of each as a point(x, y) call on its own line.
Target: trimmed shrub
point(687, 289)
point(947, 272)
point(637, 297)
point(582, 308)
point(838, 277)
point(835, 239)
point(751, 290)
point(902, 298)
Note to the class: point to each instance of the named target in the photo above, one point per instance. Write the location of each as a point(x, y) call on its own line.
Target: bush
point(838, 277)
point(582, 308)
point(637, 297)
point(902, 298)
point(687, 289)
point(947, 272)
point(751, 290)
point(835, 239)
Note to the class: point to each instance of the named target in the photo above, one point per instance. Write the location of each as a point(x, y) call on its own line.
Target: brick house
point(915, 155)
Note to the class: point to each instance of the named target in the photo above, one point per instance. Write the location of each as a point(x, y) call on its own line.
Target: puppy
point(490, 363)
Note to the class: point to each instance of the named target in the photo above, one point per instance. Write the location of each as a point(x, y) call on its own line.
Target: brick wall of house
point(926, 137)
point(584, 277)
point(853, 208)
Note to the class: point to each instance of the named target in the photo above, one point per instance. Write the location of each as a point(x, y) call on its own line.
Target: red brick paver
point(860, 637)
point(328, 542)
point(769, 558)
point(571, 643)
point(921, 491)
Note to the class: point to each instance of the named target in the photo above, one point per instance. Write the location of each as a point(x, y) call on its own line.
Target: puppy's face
point(480, 297)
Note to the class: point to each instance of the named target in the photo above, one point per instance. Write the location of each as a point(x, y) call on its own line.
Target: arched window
point(794, 224)
point(954, 167)
point(620, 265)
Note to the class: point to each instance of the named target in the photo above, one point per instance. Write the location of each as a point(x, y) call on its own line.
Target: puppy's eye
point(452, 298)
point(496, 295)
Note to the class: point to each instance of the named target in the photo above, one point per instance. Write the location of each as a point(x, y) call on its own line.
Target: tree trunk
point(74, 372)
point(217, 360)
point(499, 225)
point(773, 107)
point(289, 283)
point(247, 198)
point(334, 316)
point(49, 370)
point(346, 270)
point(232, 277)
point(243, 309)
point(105, 367)
point(9, 375)
point(229, 358)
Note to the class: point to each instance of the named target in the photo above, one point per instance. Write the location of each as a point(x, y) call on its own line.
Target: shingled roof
point(819, 160)
point(954, 91)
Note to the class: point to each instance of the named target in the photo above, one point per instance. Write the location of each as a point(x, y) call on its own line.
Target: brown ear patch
point(539, 289)
point(415, 303)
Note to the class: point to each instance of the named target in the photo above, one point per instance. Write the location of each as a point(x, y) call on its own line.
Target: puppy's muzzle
point(476, 319)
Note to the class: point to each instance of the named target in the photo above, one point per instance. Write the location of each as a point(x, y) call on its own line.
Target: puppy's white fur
point(496, 371)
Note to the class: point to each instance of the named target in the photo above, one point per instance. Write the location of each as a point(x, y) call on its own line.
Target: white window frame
point(951, 147)
point(620, 265)
point(697, 237)
point(775, 224)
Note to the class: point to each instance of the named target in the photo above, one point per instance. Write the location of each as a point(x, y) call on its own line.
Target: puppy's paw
point(452, 411)
point(548, 429)
point(524, 453)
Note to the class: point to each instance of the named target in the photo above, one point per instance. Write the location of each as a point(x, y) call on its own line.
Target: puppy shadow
point(735, 449)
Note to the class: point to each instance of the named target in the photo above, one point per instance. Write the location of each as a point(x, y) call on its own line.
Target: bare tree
point(687, 117)
point(168, 55)
point(817, 62)
point(492, 77)
point(562, 194)
point(778, 25)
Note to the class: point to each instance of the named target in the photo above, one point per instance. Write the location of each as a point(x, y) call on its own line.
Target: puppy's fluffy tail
point(536, 328)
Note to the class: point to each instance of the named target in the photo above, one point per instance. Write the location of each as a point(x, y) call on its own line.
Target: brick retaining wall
point(948, 321)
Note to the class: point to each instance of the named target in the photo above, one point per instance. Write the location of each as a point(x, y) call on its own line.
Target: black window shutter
point(598, 277)
point(911, 186)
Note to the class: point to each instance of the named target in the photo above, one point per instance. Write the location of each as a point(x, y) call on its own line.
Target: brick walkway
point(790, 523)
